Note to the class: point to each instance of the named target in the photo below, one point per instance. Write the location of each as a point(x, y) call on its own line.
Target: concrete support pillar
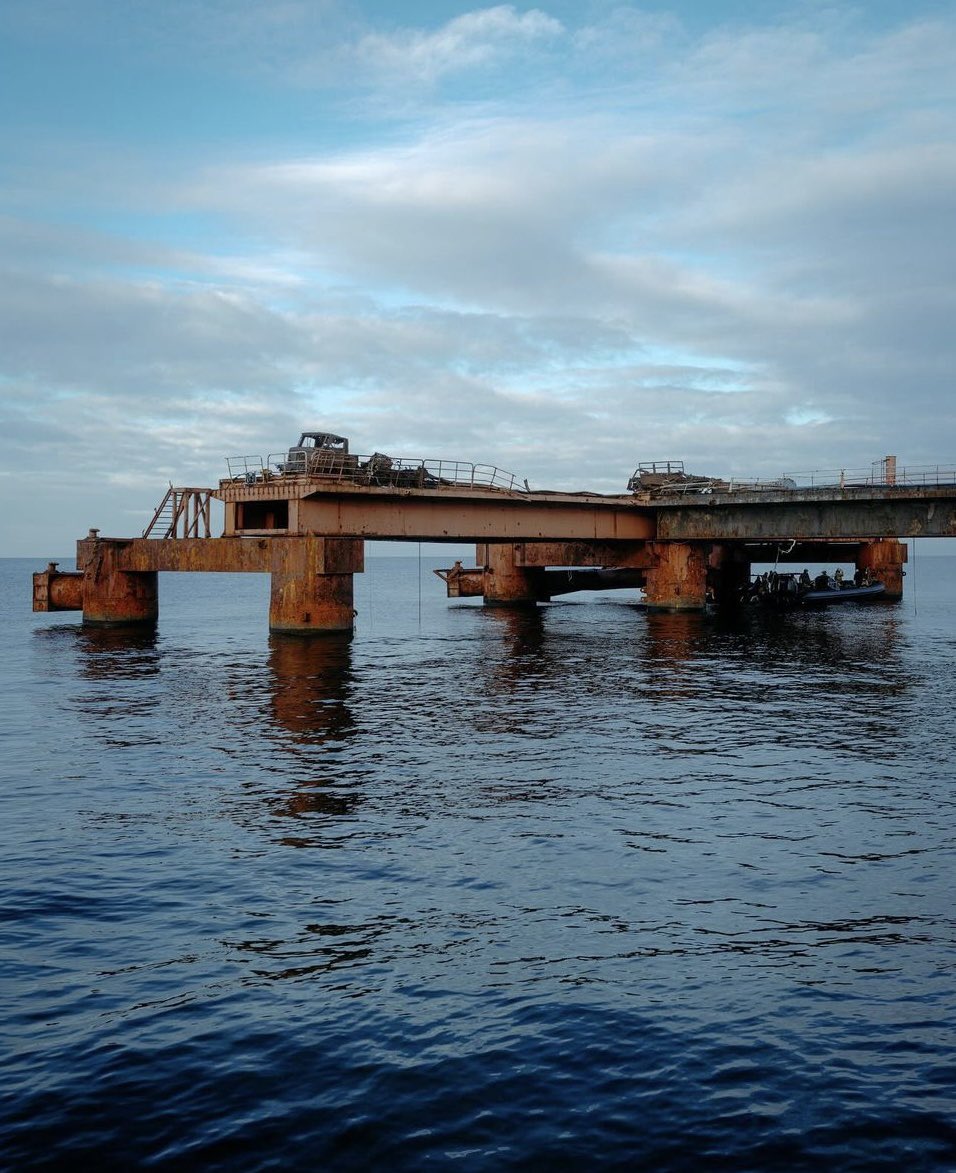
point(114, 597)
point(312, 584)
point(728, 575)
point(677, 580)
point(884, 559)
point(505, 583)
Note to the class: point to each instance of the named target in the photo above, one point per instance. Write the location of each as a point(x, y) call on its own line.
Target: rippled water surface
point(581, 887)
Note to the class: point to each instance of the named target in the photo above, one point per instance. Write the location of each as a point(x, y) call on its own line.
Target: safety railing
point(375, 470)
point(927, 475)
point(876, 476)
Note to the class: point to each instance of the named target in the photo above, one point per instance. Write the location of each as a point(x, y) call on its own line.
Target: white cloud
point(735, 250)
point(481, 38)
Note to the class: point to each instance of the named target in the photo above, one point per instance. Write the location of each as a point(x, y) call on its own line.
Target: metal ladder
point(182, 513)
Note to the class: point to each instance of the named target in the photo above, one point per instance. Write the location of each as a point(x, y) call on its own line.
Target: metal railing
point(876, 476)
point(924, 475)
point(376, 469)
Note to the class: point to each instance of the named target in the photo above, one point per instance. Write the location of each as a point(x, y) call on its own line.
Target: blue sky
point(559, 238)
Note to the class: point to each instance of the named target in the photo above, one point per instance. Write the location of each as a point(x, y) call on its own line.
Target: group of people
point(823, 581)
point(773, 587)
point(770, 584)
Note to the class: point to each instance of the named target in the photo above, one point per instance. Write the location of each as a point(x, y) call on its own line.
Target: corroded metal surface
point(256, 555)
point(311, 577)
point(463, 582)
point(500, 519)
point(182, 513)
point(304, 521)
point(57, 590)
point(678, 579)
point(813, 514)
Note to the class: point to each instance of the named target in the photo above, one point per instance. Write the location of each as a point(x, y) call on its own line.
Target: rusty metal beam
point(227, 555)
point(634, 555)
point(490, 518)
point(903, 513)
point(456, 513)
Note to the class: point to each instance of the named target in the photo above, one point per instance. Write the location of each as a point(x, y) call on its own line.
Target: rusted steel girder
point(441, 515)
point(633, 555)
point(805, 515)
point(254, 555)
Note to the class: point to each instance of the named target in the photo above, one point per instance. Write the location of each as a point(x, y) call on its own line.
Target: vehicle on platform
point(782, 592)
point(659, 476)
point(669, 478)
point(319, 452)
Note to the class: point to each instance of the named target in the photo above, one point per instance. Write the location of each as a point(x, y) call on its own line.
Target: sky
point(561, 239)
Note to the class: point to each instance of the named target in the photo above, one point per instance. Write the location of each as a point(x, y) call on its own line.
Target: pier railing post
point(312, 584)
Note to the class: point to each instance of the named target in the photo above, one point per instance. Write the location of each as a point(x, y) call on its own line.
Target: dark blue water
point(580, 888)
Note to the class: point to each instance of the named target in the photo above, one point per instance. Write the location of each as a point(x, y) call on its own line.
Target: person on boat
point(838, 575)
point(858, 576)
point(806, 582)
point(822, 581)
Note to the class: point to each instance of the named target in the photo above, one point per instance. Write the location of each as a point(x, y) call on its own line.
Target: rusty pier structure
point(303, 518)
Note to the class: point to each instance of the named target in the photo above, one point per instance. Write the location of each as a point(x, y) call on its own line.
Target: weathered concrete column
point(114, 597)
point(884, 559)
point(505, 583)
point(312, 584)
point(677, 580)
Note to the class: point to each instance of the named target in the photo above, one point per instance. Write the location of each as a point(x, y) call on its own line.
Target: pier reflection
point(311, 681)
point(311, 684)
point(105, 653)
point(520, 631)
point(869, 638)
point(514, 661)
point(837, 682)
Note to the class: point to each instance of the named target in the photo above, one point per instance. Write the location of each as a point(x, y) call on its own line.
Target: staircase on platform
point(182, 513)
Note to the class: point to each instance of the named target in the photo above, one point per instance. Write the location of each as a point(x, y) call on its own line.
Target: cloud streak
point(512, 236)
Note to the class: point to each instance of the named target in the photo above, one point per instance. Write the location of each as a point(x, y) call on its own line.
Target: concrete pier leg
point(505, 583)
point(677, 580)
point(113, 597)
point(312, 584)
point(884, 559)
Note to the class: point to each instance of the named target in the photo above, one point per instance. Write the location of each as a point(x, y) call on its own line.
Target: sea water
point(576, 887)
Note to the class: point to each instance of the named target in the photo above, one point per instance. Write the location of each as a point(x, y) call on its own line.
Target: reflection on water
point(311, 681)
point(104, 653)
point(531, 886)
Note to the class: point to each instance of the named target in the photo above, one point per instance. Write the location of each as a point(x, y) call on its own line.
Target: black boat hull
point(847, 594)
